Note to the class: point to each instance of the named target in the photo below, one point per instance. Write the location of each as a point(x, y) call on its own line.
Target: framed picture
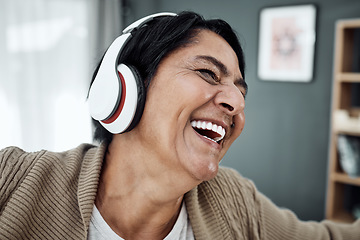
point(286, 43)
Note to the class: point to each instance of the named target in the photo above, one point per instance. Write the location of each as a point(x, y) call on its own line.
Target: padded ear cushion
point(141, 98)
point(131, 102)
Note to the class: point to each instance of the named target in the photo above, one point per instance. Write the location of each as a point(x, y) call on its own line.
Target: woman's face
point(194, 107)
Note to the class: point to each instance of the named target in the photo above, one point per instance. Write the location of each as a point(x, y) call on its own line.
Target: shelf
point(348, 77)
point(349, 23)
point(345, 118)
point(344, 178)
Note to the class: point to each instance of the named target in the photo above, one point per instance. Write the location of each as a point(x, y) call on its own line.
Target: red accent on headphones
point(122, 101)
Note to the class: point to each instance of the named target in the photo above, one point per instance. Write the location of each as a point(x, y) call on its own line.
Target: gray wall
point(284, 147)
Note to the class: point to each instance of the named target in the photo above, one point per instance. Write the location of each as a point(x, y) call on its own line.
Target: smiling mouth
point(209, 130)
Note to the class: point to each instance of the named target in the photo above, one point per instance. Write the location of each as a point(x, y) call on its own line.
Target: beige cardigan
point(46, 195)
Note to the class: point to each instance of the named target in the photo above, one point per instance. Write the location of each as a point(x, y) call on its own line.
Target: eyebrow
point(223, 69)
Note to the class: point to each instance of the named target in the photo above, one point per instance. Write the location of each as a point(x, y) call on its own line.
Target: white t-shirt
point(100, 230)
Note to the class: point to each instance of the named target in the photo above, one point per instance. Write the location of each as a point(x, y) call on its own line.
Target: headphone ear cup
point(105, 91)
point(131, 104)
point(140, 98)
point(117, 95)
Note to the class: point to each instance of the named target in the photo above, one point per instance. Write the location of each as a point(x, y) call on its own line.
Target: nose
point(230, 99)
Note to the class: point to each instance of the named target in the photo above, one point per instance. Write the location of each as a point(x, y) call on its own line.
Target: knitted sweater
point(47, 195)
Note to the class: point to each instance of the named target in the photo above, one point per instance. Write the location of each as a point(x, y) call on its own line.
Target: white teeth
point(209, 138)
point(214, 128)
point(210, 126)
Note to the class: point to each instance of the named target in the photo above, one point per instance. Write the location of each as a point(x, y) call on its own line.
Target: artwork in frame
point(287, 43)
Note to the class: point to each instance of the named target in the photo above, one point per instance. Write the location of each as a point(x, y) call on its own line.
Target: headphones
point(117, 95)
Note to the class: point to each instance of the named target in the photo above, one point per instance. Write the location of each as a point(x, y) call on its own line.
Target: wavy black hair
point(160, 37)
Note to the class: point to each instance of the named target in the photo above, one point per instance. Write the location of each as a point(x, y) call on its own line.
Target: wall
point(284, 147)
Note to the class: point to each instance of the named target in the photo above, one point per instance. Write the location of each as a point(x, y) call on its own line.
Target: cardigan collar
point(89, 181)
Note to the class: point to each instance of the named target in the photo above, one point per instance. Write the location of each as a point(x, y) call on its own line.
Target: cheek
point(167, 103)
point(194, 90)
point(159, 99)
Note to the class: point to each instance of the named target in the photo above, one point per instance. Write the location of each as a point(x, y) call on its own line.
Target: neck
point(139, 196)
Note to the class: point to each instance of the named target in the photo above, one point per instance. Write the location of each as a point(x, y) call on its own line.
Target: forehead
point(208, 43)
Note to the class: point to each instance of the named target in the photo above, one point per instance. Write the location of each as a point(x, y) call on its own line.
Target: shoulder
point(233, 191)
point(230, 179)
point(14, 159)
point(17, 158)
point(236, 193)
point(70, 157)
point(16, 165)
point(14, 153)
point(230, 200)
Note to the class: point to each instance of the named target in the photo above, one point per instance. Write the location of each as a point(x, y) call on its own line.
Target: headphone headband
point(144, 20)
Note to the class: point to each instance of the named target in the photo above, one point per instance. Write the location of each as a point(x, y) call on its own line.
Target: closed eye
point(208, 75)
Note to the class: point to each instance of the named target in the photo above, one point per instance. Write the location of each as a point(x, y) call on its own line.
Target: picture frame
point(287, 37)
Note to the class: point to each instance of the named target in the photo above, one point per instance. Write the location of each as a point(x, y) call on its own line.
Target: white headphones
point(116, 96)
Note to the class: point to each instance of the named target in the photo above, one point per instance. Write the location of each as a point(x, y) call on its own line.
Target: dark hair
point(161, 36)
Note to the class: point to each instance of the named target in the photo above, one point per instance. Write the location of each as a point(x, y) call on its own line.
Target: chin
point(208, 172)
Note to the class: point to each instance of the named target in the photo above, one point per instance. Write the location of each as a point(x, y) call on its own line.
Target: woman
point(159, 176)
